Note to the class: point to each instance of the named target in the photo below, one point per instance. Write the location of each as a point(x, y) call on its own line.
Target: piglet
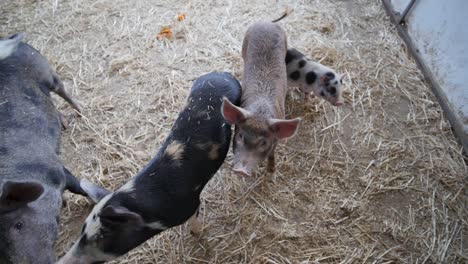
point(32, 176)
point(260, 122)
point(311, 76)
point(166, 193)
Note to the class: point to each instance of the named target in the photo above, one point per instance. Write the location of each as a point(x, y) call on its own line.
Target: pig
point(166, 193)
point(259, 121)
point(311, 76)
point(32, 176)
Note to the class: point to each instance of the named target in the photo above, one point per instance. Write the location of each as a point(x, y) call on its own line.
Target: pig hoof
point(63, 121)
point(241, 172)
point(271, 170)
point(196, 228)
point(196, 233)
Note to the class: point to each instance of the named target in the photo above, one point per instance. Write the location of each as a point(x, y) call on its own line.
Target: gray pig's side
point(32, 176)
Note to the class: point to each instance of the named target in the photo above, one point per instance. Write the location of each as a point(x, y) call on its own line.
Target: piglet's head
point(331, 88)
point(255, 137)
point(111, 230)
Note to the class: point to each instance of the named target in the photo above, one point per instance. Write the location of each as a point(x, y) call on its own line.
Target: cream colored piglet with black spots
point(311, 76)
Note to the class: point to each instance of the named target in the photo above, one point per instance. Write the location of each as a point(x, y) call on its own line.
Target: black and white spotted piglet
point(311, 76)
point(166, 192)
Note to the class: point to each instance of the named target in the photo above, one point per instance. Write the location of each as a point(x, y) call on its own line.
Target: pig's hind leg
point(196, 226)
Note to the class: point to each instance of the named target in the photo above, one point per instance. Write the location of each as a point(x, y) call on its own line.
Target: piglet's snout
point(241, 170)
point(337, 101)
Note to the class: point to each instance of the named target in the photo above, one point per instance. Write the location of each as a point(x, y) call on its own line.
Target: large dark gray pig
point(166, 193)
point(32, 176)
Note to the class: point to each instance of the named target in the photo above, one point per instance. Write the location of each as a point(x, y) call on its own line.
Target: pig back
point(264, 49)
point(30, 125)
point(217, 85)
point(192, 153)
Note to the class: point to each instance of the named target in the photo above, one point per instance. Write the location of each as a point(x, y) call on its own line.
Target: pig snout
point(241, 170)
point(243, 165)
point(337, 101)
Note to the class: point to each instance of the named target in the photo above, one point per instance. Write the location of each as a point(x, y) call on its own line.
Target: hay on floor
point(380, 180)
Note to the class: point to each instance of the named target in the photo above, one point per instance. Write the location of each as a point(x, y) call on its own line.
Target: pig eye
point(241, 136)
point(18, 226)
point(263, 143)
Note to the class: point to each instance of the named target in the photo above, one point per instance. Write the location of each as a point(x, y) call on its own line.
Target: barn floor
point(380, 180)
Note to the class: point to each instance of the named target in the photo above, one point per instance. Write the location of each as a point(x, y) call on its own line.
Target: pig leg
point(196, 225)
point(308, 96)
point(63, 121)
point(59, 89)
point(271, 162)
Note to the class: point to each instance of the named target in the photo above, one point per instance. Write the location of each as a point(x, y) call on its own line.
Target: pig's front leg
point(63, 120)
point(196, 226)
point(271, 162)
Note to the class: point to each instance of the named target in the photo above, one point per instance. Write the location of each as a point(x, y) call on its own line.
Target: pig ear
point(342, 76)
point(284, 128)
point(119, 217)
point(94, 192)
point(17, 194)
point(232, 113)
point(84, 187)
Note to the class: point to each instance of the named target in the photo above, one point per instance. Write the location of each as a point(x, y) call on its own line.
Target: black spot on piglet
point(332, 90)
point(311, 77)
point(293, 54)
point(301, 64)
point(295, 75)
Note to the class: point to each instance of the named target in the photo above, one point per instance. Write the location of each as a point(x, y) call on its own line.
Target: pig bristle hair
point(381, 179)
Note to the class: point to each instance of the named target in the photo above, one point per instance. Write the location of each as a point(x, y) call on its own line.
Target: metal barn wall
point(437, 33)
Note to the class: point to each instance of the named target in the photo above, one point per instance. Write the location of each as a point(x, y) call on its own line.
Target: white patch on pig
point(156, 226)
point(128, 187)
point(210, 147)
point(93, 222)
point(8, 46)
point(92, 229)
point(213, 154)
point(175, 150)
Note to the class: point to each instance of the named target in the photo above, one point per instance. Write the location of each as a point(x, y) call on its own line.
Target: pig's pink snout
point(339, 103)
point(241, 170)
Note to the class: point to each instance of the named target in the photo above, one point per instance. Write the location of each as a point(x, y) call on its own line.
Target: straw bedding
point(380, 180)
